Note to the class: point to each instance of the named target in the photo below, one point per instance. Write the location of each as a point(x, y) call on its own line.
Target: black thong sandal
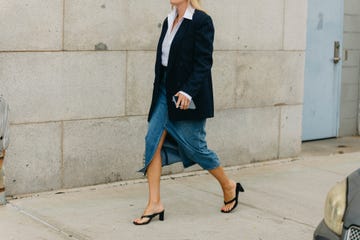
point(150, 217)
point(238, 189)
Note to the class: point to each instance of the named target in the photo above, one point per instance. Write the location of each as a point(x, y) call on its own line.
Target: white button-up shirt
point(170, 34)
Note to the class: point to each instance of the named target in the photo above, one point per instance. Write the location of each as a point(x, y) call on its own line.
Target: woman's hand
point(183, 102)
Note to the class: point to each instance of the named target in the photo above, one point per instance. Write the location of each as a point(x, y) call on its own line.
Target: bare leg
point(228, 186)
point(153, 175)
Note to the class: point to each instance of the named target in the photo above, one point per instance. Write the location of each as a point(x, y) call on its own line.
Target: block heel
point(238, 189)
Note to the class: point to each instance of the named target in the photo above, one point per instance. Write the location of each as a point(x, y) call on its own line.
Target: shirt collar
point(188, 13)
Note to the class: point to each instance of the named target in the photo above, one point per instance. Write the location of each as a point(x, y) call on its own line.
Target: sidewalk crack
point(45, 223)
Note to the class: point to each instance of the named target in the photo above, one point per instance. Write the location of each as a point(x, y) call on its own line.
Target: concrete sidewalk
point(283, 201)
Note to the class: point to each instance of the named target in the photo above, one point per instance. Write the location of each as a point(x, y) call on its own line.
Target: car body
point(342, 211)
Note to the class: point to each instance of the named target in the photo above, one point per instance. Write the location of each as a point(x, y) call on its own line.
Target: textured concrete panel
point(352, 23)
point(351, 41)
point(101, 151)
point(290, 131)
point(247, 24)
point(269, 78)
point(350, 75)
point(33, 160)
point(224, 79)
point(241, 136)
point(57, 86)
point(119, 24)
point(352, 7)
point(350, 92)
point(352, 60)
point(295, 25)
point(31, 25)
point(348, 127)
point(349, 109)
point(140, 79)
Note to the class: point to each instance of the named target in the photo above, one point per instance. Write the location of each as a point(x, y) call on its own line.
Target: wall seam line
point(283, 28)
point(126, 82)
point(140, 50)
point(63, 27)
point(143, 115)
point(62, 169)
point(279, 135)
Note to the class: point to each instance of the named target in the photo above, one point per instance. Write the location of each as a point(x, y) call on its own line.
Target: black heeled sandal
point(150, 217)
point(238, 189)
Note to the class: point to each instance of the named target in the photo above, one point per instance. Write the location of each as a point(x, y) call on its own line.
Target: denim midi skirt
point(185, 141)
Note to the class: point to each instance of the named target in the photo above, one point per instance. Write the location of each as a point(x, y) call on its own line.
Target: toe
point(141, 220)
point(227, 207)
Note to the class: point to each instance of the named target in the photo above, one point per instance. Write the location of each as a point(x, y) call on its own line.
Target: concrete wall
point(349, 109)
point(79, 115)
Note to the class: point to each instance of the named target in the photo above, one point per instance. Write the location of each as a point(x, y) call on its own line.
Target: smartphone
point(191, 106)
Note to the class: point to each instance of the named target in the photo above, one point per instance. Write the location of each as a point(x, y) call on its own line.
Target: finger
point(180, 101)
point(186, 103)
point(182, 104)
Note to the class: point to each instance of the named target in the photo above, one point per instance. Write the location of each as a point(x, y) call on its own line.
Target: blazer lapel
point(159, 47)
point(175, 45)
point(163, 33)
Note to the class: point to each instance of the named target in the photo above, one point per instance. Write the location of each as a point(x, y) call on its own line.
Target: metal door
point(322, 69)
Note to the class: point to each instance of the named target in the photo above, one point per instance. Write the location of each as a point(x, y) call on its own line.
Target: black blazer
point(189, 68)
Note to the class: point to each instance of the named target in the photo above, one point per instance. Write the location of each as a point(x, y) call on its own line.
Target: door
point(322, 69)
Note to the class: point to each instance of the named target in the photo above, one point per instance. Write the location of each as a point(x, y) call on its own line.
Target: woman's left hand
point(183, 102)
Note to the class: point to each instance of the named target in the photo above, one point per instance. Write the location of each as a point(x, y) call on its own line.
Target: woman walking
point(182, 101)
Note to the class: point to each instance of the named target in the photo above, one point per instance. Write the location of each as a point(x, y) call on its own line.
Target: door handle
point(336, 58)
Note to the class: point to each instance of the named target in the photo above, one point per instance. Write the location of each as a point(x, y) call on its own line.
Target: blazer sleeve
point(203, 49)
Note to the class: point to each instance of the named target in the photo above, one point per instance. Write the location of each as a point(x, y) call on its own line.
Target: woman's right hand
point(182, 102)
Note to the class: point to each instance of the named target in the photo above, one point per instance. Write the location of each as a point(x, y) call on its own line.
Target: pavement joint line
point(322, 169)
point(276, 215)
point(321, 156)
point(43, 222)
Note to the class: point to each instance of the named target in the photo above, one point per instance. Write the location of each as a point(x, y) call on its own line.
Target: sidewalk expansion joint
point(46, 224)
point(277, 215)
point(321, 169)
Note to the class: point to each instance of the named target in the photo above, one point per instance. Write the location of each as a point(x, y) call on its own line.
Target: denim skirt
point(185, 141)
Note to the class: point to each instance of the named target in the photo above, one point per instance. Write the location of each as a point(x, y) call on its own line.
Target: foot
point(149, 210)
point(229, 194)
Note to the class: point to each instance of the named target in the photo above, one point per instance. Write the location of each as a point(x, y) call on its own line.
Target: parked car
point(342, 211)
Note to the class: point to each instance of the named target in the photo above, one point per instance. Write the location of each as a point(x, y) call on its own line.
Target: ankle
point(155, 205)
point(229, 185)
